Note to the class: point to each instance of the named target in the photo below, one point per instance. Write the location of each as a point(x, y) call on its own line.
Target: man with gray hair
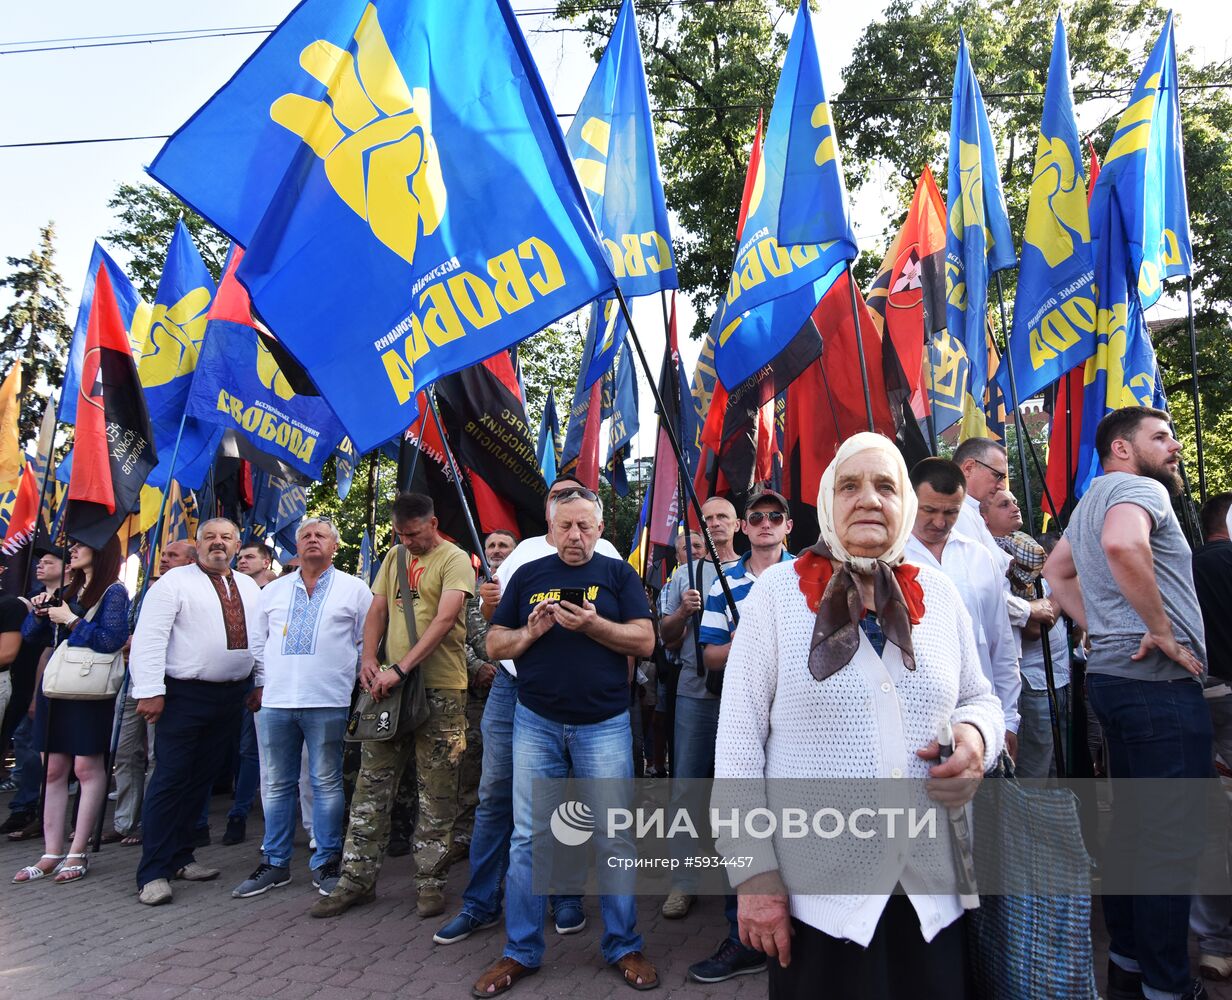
point(310, 630)
point(570, 621)
point(192, 656)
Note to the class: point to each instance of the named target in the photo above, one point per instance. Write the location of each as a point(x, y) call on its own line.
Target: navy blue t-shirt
point(567, 676)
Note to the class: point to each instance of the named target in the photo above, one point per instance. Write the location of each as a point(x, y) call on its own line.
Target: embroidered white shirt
point(309, 646)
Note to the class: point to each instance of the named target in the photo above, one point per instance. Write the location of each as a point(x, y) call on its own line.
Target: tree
point(147, 216)
point(709, 68)
point(551, 360)
point(34, 331)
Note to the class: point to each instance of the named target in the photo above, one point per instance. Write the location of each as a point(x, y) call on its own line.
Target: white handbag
point(78, 673)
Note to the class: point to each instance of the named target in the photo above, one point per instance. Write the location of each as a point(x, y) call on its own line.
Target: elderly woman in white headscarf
point(847, 664)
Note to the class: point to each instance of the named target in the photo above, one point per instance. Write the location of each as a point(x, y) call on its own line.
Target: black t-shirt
point(566, 676)
point(1212, 573)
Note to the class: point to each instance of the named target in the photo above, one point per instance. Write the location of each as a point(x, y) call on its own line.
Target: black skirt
point(80, 728)
point(897, 964)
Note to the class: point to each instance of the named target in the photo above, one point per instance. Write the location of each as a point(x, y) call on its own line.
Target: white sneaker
point(155, 893)
point(677, 905)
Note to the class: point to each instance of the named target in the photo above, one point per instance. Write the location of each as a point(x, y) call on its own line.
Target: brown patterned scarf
point(897, 596)
point(232, 608)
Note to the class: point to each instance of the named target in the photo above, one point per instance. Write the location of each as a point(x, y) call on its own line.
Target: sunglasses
point(1000, 477)
point(574, 493)
point(756, 517)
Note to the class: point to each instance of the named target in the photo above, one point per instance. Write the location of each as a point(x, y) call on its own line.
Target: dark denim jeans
point(1154, 729)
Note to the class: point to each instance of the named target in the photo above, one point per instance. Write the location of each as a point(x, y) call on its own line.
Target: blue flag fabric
point(1145, 165)
point(1139, 236)
point(1122, 370)
point(978, 241)
point(365, 570)
point(399, 179)
point(619, 406)
point(169, 358)
point(774, 287)
point(345, 460)
point(239, 387)
point(547, 451)
point(607, 319)
point(130, 311)
point(612, 145)
point(278, 506)
point(814, 207)
point(1054, 308)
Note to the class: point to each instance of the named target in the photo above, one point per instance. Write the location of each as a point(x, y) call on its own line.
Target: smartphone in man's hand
point(573, 595)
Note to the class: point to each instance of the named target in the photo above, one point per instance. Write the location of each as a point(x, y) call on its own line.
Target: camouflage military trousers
point(469, 769)
point(437, 746)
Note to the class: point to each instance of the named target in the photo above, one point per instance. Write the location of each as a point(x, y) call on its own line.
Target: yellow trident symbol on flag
point(374, 134)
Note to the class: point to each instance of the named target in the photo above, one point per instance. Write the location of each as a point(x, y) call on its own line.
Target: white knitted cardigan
point(865, 721)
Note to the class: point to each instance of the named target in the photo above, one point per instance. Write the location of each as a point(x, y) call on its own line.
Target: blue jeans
point(248, 769)
point(29, 768)
point(489, 858)
point(546, 749)
point(283, 733)
point(1036, 754)
point(697, 726)
point(1154, 729)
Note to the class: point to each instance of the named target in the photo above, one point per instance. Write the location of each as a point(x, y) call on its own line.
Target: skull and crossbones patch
point(382, 722)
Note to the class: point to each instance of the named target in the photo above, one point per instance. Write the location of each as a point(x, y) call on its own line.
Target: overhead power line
point(1103, 92)
point(193, 34)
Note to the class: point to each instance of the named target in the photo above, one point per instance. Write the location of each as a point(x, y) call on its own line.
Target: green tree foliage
point(147, 215)
point(34, 330)
point(550, 360)
point(709, 68)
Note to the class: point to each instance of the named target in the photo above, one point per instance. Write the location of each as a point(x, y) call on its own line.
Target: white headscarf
point(866, 441)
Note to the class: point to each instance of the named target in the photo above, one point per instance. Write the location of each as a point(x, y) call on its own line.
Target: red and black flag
point(486, 425)
point(907, 301)
point(113, 451)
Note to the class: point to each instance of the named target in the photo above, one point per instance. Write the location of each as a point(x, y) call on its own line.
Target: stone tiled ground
point(93, 939)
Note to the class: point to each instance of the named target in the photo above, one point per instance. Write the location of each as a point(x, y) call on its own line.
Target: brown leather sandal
point(500, 978)
point(636, 966)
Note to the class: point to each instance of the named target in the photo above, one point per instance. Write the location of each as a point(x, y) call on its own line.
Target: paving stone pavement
point(93, 939)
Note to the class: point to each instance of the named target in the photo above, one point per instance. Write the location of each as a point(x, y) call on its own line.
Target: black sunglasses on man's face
point(756, 517)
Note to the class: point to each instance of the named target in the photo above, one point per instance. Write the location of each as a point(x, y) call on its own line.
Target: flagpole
point(370, 514)
point(855, 319)
point(457, 481)
point(1197, 399)
point(932, 388)
point(38, 511)
point(1019, 425)
point(682, 472)
point(675, 443)
point(1069, 450)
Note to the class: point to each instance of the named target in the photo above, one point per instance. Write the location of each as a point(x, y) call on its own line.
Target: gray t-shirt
point(1115, 627)
point(690, 685)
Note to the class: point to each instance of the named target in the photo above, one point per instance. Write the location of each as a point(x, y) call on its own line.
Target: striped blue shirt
point(718, 626)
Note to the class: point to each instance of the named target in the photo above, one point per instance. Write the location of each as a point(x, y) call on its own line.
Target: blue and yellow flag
point(608, 321)
point(345, 460)
point(813, 207)
point(133, 311)
point(978, 241)
point(168, 356)
point(1054, 308)
point(398, 177)
point(619, 408)
point(239, 387)
point(1139, 237)
point(547, 450)
point(612, 145)
point(1145, 165)
point(774, 287)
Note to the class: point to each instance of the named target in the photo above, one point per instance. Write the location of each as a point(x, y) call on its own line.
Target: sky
point(151, 89)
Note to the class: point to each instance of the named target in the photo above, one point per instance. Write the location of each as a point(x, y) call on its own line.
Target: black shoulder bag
point(406, 709)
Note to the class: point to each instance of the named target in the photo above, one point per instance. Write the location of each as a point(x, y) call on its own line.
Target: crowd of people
point(922, 602)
